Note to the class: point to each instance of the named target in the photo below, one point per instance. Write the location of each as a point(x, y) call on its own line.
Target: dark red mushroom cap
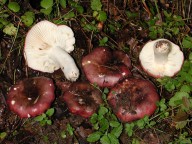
point(82, 99)
point(133, 99)
point(106, 67)
point(31, 97)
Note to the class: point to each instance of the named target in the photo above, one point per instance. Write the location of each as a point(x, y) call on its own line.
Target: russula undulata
point(161, 58)
point(106, 67)
point(31, 97)
point(47, 48)
point(82, 98)
point(133, 99)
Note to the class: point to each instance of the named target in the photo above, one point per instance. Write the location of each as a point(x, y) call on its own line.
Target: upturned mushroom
point(47, 48)
point(31, 97)
point(106, 67)
point(132, 99)
point(161, 58)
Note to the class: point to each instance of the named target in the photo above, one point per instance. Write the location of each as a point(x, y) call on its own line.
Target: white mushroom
point(161, 58)
point(47, 46)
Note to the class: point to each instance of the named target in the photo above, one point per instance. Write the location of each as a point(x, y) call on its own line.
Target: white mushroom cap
point(47, 46)
point(161, 58)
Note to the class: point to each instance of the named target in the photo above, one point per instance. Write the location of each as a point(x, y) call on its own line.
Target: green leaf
point(3, 135)
point(49, 122)
point(104, 125)
point(69, 15)
point(10, 29)
point(177, 98)
point(181, 124)
point(79, 9)
point(102, 16)
point(14, 6)
point(185, 88)
point(114, 123)
point(70, 129)
point(140, 123)
point(105, 140)
point(187, 42)
point(63, 3)
point(102, 110)
point(28, 18)
point(94, 136)
point(129, 128)
point(3, 21)
point(117, 131)
point(2, 2)
point(46, 4)
point(96, 5)
point(50, 112)
point(113, 139)
point(63, 134)
point(94, 118)
point(46, 11)
point(40, 117)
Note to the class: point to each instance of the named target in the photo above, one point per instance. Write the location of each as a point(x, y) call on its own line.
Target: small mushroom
point(161, 58)
point(105, 67)
point(47, 48)
point(133, 99)
point(82, 98)
point(31, 97)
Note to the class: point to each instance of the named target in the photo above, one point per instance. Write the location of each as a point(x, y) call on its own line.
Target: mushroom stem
point(161, 51)
point(66, 62)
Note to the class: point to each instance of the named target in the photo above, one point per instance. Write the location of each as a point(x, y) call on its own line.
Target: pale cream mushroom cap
point(47, 46)
point(165, 65)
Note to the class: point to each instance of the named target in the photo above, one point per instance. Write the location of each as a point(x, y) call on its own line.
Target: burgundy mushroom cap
point(82, 99)
point(133, 99)
point(106, 67)
point(31, 97)
point(161, 58)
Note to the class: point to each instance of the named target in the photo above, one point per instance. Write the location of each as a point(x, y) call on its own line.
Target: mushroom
point(105, 67)
point(31, 97)
point(161, 58)
point(47, 48)
point(82, 98)
point(132, 99)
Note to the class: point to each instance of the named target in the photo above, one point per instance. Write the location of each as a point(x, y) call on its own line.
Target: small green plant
point(98, 13)
point(181, 88)
point(28, 18)
point(187, 42)
point(46, 6)
point(44, 118)
point(107, 127)
point(103, 41)
point(69, 130)
point(14, 6)
point(169, 27)
point(182, 139)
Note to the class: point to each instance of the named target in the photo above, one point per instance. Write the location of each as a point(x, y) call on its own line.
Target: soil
point(14, 68)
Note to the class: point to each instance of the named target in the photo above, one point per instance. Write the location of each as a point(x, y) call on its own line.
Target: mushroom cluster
point(131, 98)
point(47, 48)
point(161, 58)
point(31, 97)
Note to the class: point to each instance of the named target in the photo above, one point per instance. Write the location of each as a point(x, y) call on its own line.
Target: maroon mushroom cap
point(133, 99)
point(82, 99)
point(106, 67)
point(31, 97)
